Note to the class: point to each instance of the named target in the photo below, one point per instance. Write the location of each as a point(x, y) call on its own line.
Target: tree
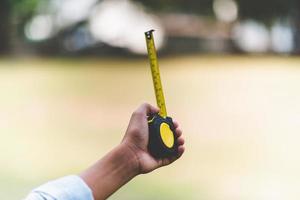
point(5, 12)
point(12, 14)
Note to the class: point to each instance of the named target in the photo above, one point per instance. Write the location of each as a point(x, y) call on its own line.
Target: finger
point(180, 141)
point(180, 150)
point(146, 109)
point(162, 162)
point(166, 161)
point(176, 125)
point(178, 132)
point(173, 158)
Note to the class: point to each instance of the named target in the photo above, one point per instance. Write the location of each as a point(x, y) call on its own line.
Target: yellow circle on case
point(166, 135)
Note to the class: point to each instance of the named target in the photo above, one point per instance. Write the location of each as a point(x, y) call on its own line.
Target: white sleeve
point(66, 188)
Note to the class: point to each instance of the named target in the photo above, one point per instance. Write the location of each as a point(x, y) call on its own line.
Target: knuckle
point(133, 114)
point(145, 104)
point(137, 113)
point(134, 130)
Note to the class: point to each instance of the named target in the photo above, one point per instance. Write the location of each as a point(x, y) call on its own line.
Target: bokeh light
point(39, 28)
point(252, 36)
point(226, 10)
point(119, 23)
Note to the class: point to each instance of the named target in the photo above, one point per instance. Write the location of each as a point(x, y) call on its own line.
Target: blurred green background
point(230, 71)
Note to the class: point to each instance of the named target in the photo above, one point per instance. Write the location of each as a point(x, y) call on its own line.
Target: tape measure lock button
point(166, 135)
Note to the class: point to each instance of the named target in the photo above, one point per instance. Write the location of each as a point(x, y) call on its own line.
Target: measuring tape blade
point(160, 100)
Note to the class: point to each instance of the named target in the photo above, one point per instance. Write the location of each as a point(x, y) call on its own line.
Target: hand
point(137, 137)
point(128, 159)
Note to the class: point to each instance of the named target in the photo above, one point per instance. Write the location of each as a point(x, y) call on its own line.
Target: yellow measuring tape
point(155, 74)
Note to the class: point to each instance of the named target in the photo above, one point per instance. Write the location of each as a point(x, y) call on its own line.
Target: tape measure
point(162, 137)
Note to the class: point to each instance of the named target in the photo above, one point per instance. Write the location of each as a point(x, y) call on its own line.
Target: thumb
point(147, 109)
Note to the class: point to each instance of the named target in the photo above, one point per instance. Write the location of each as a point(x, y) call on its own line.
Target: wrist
point(111, 172)
point(129, 153)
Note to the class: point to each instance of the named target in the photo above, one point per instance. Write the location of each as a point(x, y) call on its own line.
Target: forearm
point(111, 172)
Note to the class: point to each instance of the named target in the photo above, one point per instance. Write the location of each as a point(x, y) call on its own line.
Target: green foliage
point(23, 8)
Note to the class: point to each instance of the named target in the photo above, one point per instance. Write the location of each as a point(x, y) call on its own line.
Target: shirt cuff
point(66, 188)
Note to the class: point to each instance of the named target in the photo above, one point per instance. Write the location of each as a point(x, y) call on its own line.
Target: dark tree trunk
point(297, 40)
point(297, 30)
point(5, 24)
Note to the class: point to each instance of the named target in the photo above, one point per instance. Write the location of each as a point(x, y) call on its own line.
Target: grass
point(240, 116)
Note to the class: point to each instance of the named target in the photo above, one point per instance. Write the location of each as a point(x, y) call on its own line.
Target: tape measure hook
point(149, 33)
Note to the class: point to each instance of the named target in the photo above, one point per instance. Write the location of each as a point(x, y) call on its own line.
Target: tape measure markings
point(160, 100)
